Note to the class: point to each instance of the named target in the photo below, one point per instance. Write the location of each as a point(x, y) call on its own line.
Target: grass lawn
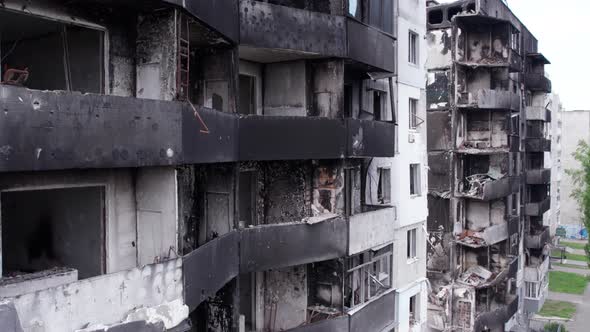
point(571, 266)
point(566, 282)
point(561, 309)
point(573, 245)
point(576, 257)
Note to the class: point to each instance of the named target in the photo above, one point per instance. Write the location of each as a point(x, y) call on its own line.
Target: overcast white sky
point(563, 30)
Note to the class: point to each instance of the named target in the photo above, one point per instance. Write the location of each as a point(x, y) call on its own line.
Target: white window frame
point(413, 47)
point(414, 120)
point(411, 245)
point(370, 274)
point(415, 180)
point(385, 185)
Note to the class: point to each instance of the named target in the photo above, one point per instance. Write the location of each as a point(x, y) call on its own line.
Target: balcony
point(538, 176)
point(271, 33)
point(46, 130)
point(289, 33)
point(537, 208)
point(495, 319)
point(376, 315)
point(538, 113)
point(294, 137)
point(221, 15)
point(489, 99)
point(537, 144)
point(537, 239)
point(489, 236)
point(73, 306)
point(513, 61)
point(371, 229)
point(485, 188)
point(273, 246)
point(208, 268)
point(537, 82)
point(479, 277)
point(538, 276)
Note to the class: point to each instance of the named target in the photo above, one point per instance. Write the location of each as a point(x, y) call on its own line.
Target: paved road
point(581, 320)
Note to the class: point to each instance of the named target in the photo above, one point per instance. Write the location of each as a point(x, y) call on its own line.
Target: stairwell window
point(413, 47)
point(411, 244)
point(413, 108)
point(415, 180)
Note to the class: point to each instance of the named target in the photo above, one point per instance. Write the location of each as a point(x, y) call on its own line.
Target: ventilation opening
point(54, 229)
point(435, 16)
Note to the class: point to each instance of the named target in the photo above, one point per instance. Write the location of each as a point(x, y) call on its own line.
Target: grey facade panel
point(370, 138)
point(265, 25)
point(291, 138)
point(221, 15)
point(375, 316)
point(208, 268)
point(282, 245)
point(339, 324)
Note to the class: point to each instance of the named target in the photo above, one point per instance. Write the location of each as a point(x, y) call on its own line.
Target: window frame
point(413, 48)
point(415, 180)
point(373, 263)
point(413, 113)
point(384, 185)
point(411, 244)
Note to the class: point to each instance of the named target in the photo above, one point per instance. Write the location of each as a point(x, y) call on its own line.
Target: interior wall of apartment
point(285, 298)
point(480, 215)
point(120, 208)
point(328, 90)
point(254, 70)
point(157, 216)
point(219, 89)
point(328, 188)
point(156, 55)
point(285, 89)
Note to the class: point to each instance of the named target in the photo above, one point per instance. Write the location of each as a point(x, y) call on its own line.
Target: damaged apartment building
point(212, 166)
point(488, 188)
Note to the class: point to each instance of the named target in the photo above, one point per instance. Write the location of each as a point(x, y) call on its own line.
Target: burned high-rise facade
point(211, 166)
point(487, 119)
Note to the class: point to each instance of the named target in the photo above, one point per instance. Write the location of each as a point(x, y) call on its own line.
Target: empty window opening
point(471, 8)
point(247, 95)
point(46, 54)
point(368, 275)
point(451, 12)
point(413, 48)
point(415, 179)
point(377, 13)
point(384, 186)
point(435, 16)
point(378, 105)
point(54, 228)
point(247, 198)
point(414, 319)
point(411, 243)
point(348, 100)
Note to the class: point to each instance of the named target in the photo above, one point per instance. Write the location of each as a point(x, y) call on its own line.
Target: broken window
point(247, 95)
point(531, 290)
point(384, 186)
point(368, 275)
point(411, 244)
point(435, 16)
point(46, 54)
point(53, 229)
point(413, 47)
point(415, 187)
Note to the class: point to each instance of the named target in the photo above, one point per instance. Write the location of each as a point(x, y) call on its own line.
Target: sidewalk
point(581, 320)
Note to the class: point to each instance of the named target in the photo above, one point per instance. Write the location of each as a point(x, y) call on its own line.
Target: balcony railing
point(47, 130)
point(370, 229)
point(537, 208)
point(485, 188)
point(538, 113)
point(513, 61)
point(297, 33)
point(489, 99)
point(538, 240)
point(537, 273)
point(537, 82)
point(538, 176)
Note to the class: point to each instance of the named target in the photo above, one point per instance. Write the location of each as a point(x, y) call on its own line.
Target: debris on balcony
point(472, 238)
point(475, 276)
point(474, 184)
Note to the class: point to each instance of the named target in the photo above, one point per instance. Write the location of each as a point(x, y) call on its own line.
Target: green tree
point(581, 181)
point(555, 327)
